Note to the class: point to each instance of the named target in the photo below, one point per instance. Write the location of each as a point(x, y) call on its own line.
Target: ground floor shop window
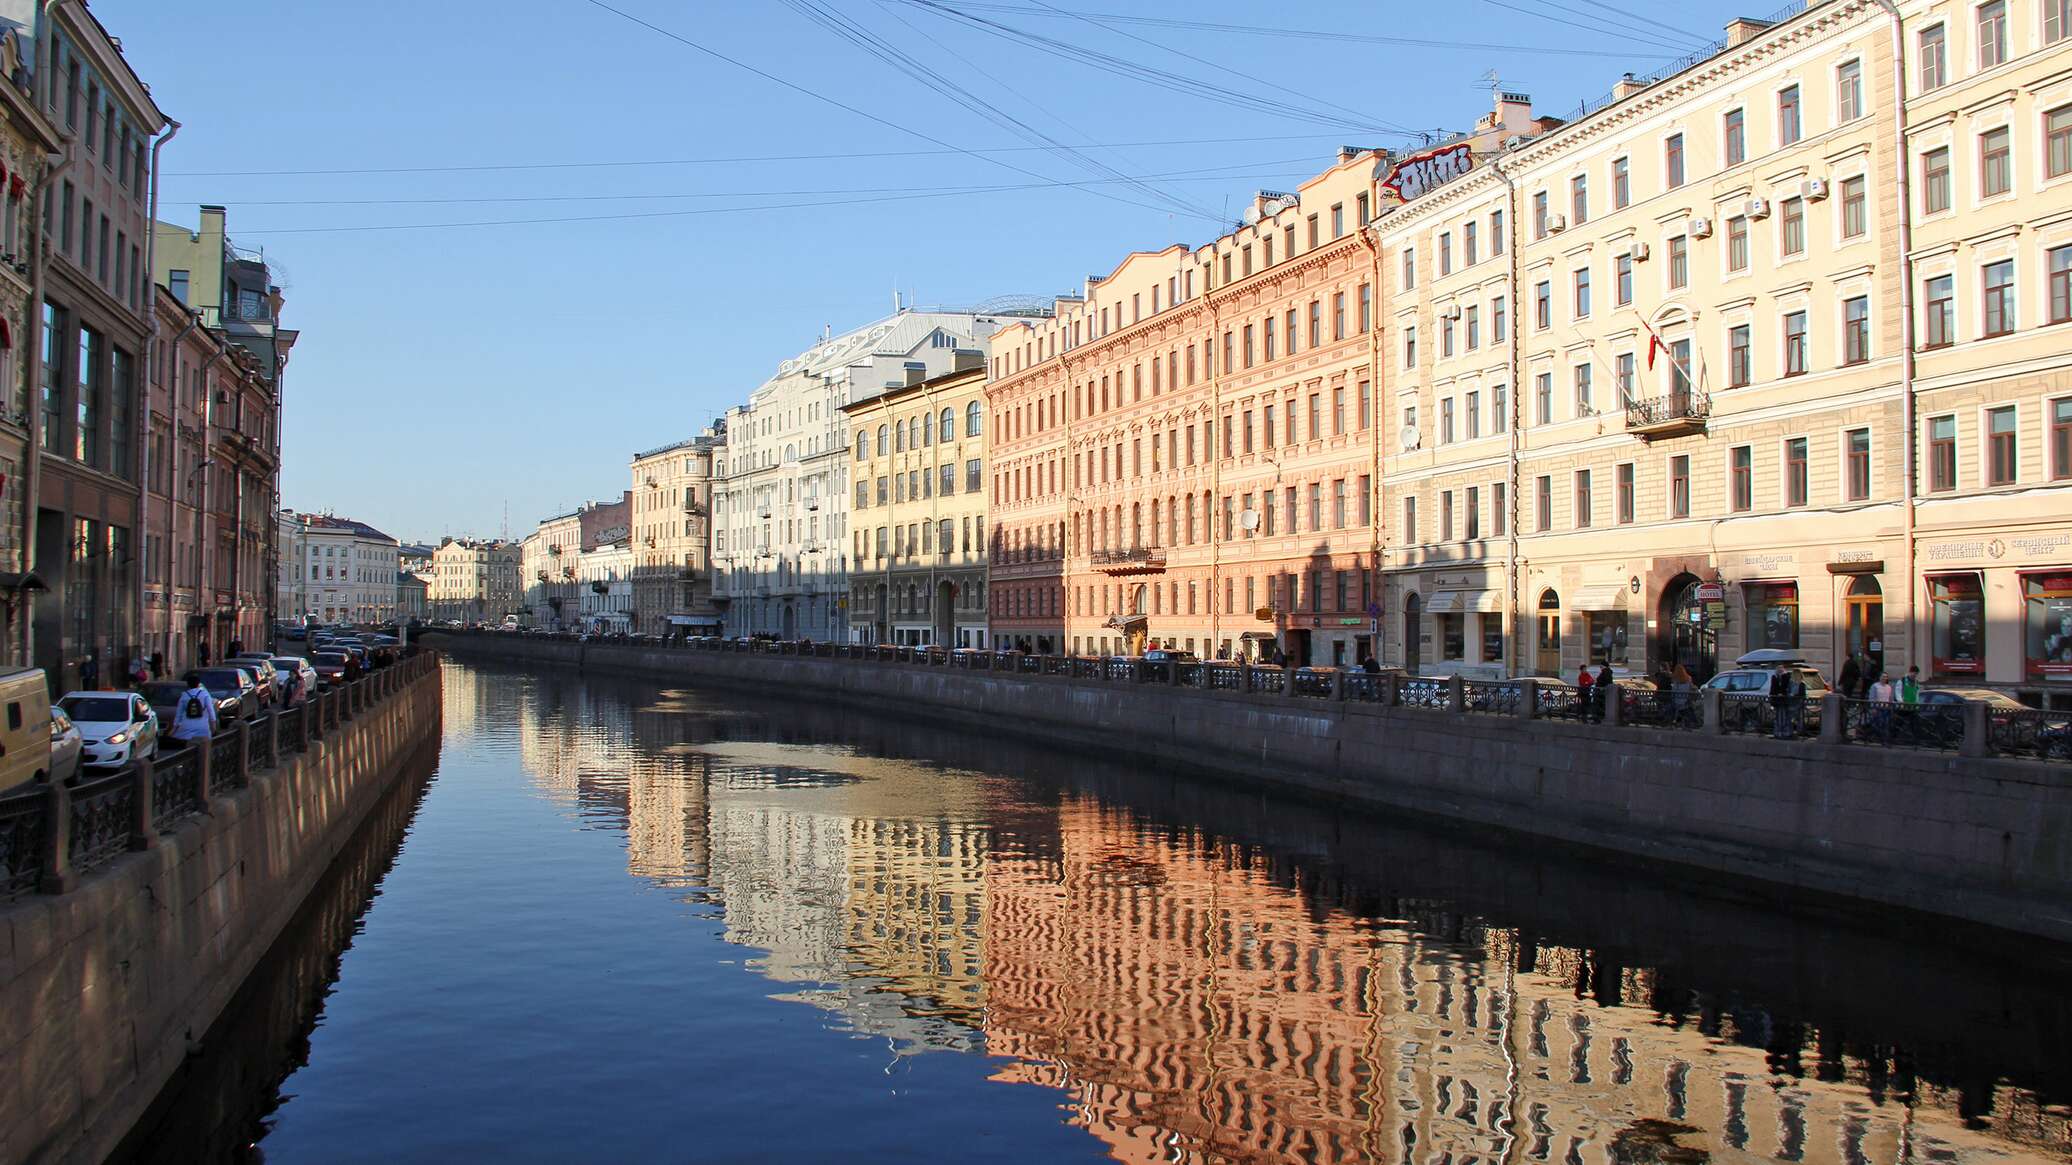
point(1492, 637)
point(2047, 619)
point(1959, 622)
point(1453, 637)
point(1773, 615)
point(1608, 638)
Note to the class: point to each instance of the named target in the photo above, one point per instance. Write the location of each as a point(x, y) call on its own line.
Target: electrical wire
point(1599, 28)
point(745, 158)
point(1626, 14)
point(696, 212)
point(1291, 33)
point(845, 106)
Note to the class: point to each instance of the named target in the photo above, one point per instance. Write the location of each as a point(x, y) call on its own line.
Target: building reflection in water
point(1199, 999)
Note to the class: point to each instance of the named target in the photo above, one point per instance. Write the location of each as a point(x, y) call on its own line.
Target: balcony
point(1139, 560)
point(1668, 416)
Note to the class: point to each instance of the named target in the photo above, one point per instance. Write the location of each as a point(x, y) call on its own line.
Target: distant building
point(547, 571)
point(413, 595)
point(672, 539)
point(474, 581)
point(918, 515)
point(780, 538)
point(604, 567)
point(349, 569)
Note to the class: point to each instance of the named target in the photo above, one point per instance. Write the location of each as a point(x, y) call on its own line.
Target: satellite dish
point(1410, 437)
point(1249, 520)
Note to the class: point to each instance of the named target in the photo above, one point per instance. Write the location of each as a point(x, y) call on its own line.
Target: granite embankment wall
point(1984, 840)
point(105, 988)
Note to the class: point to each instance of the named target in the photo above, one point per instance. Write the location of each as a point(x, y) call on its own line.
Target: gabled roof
point(337, 525)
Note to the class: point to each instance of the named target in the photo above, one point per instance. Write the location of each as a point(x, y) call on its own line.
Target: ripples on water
point(868, 941)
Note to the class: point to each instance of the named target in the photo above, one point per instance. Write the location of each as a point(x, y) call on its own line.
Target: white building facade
point(348, 569)
point(780, 512)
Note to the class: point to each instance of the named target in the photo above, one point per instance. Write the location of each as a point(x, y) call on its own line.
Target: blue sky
point(449, 374)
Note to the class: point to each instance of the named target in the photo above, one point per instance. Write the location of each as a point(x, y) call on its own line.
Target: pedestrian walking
point(201, 652)
point(195, 717)
point(1371, 666)
point(1910, 686)
point(1851, 677)
point(1606, 688)
point(158, 665)
point(237, 648)
point(89, 672)
point(139, 674)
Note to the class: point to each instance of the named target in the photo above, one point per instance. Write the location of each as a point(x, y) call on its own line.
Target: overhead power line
point(1594, 25)
point(715, 210)
point(1250, 30)
point(481, 167)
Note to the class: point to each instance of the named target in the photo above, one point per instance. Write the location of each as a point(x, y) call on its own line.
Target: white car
point(114, 727)
point(64, 747)
point(300, 667)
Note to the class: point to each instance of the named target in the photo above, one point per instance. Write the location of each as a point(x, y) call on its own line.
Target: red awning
point(6, 335)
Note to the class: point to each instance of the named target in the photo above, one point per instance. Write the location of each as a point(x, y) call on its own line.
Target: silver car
point(65, 746)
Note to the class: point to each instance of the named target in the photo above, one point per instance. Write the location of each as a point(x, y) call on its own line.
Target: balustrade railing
point(2029, 732)
point(24, 836)
point(1889, 725)
point(175, 786)
point(1423, 692)
point(104, 814)
point(1496, 697)
point(223, 758)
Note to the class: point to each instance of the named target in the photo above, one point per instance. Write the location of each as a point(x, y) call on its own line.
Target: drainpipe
point(173, 497)
point(150, 348)
point(1371, 236)
point(1512, 326)
point(1216, 432)
point(1908, 423)
point(32, 492)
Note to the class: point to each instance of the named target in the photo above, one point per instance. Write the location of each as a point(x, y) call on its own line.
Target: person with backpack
point(195, 717)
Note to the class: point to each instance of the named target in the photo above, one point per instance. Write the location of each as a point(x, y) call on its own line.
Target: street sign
point(1264, 614)
point(1711, 592)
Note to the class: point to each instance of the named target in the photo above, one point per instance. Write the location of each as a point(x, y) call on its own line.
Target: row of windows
point(1999, 448)
point(919, 433)
point(918, 484)
point(1288, 421)
point(1317, 591)
point(1996, 163)
point(1237, 262)
point(916, 539)
point(1991, 27)
point(1194, 519)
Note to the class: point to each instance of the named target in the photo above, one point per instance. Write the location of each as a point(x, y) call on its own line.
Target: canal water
point(623, 923)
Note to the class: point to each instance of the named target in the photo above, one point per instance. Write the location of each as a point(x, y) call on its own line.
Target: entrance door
point(1548, 661)
point(1686, 637)
point(1865, 621)
point(791, 622)
point(945, 611)
point(1413, 633)
point(1338, 653)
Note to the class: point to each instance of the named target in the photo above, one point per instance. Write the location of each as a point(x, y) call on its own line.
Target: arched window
point(927, 430)
point(973, 424)
point(947, 424)
point(899, 436)
point(884, 440)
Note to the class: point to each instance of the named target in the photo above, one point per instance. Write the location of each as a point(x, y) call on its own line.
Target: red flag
point(1655, 344)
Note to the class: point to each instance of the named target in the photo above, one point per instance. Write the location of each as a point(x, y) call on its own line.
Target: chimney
point(967, 359)
point(1628, 85)
point(212, 221)
point(916, 372)
point(1514, 112)
point(1743, 29)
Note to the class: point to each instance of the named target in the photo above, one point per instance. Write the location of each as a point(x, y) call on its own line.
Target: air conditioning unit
point(1450, 312)
point(1757, 208)
point(1700, 228)
point(812, 503)
point(1814, 189)
point(1638, 252)
point(1557, 223)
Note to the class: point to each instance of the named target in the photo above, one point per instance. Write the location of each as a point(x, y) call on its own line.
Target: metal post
point(57, 847)
point(143, 833)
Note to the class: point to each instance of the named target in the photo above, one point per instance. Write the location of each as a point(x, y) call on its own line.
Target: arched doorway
point(946, 613)
point(1684, 633)
point(1413, 633)
point(791, 622)
point(1548, 660)
point(1864, 623)
point(884, 615)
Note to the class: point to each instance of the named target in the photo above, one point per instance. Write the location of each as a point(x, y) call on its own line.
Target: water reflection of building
point(1197, 1007)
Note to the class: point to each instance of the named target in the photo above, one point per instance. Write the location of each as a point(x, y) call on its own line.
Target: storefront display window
point(1959, 613)
point(1608, 638)
point(1492, 637)
point(2047, 618)
point(1453, 637)
point(1773, 615)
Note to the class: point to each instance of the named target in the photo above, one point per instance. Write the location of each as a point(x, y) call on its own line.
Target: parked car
point(267, 676)
point(1166, 655)
point(333, 668)
point(237, 696)
point(114, 727)
point(65, 746)
point(262, 682)
point(306, 676)
point(25, 728)
point(164, 698)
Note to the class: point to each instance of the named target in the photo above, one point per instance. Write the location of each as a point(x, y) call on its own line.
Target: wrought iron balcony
point(1668, 416)
point(1136, 560)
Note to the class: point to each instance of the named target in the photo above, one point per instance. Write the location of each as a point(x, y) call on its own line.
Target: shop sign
point(1419, 174)
point(1350, 622)
point(1716, 613)
point(1711, 592)
point(1768, 562)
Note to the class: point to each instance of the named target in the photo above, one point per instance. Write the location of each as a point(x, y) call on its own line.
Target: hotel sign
point(1419, 174)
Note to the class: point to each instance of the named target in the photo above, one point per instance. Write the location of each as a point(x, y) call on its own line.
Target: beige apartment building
point(918, 518)
point(547, 571)
point(1650, 376)
point(1185, 456)
point(671, 516)
point(474, 581)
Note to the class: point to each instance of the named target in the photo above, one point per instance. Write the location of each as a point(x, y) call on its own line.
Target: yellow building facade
point(1658, 373)
point(918, 518)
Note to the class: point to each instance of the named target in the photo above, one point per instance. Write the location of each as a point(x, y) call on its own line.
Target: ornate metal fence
point(175, 786)
point(24, 836)
point(104, 813)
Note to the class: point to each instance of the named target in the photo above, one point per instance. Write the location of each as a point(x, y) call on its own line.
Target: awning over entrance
point(694, 620)
point(1600, 597)
point(1457, 602)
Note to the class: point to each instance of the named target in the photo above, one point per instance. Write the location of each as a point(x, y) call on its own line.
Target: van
point(24, 727)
